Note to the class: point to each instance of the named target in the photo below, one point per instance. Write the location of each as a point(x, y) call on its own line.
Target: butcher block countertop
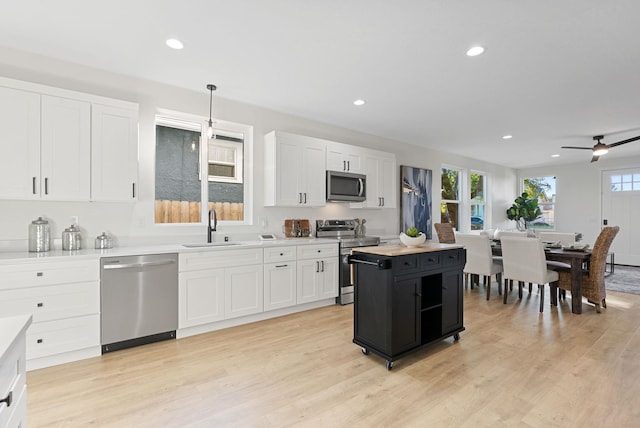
point(402, 250)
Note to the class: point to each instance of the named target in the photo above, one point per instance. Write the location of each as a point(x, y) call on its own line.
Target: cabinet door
point(451, 301)
point(66, 149)
point(201, 297)
point(307, 283)
point(279, 285)
point(328, 286)
point(388, 182)
point(114, 153)
point(313, 174)
point(243, 291)
point(19, 144)
point(345, 159)
point(288, 170)
point(405, 328)
point(372, 171)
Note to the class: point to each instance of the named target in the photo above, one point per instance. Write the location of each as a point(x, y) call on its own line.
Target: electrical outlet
point(226, 239)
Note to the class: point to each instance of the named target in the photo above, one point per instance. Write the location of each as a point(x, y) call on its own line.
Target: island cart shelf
point(406, 298)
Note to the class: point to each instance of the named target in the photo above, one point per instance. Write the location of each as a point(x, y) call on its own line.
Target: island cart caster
point(389, 365)
point(456, 337)
point(365, 351)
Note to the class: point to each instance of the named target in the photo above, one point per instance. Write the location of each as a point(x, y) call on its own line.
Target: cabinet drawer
point(406, 264)
point(220, 259)
point(279, 254)
point(17, 413)
point(316, 251)
point(48, 273)
point(57, 337)
point(53, 301)
point(453, 257)
point(430, 260)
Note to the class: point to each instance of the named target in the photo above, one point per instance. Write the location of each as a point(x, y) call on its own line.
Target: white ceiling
point(554, 72)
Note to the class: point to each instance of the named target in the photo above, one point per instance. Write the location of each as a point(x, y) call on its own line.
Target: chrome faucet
point(215, 223)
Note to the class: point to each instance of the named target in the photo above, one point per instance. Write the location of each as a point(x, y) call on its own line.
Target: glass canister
point(71, 238)
point(39, 236)
point(104, 241)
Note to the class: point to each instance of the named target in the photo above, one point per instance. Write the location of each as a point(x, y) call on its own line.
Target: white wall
point(579, 193)
point(133, 222)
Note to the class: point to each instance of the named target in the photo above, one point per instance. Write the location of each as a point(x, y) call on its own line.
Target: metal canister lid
point(40, 220)
point(72, 228)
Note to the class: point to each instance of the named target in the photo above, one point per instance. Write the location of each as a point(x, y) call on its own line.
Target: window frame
point(200, 124)
point(484, 203)
point(458, 201)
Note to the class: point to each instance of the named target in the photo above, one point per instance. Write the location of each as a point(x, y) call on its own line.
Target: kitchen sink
point(211, 244)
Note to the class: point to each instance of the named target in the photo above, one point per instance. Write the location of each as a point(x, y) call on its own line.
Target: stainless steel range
point(344, 231)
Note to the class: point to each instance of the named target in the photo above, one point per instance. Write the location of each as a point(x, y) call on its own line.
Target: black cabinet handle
point(39, 274)
point(281, 266)
point(305, 197)
point(33, 185)
point(282, 254)
point(407, 264)
point(322, 262)
point(317, 266)
point(46, 186)
point(348, 165)
point(39, 341)
point(8, 399)
point(133, 188)
point(344, 165)
point(40, 304)
point(431, 260)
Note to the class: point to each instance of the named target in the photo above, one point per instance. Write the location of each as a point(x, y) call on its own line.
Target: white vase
point(410, 241)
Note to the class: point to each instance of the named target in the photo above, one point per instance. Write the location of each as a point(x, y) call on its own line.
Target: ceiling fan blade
point(595, 158)
point(573, 147)
point(619, 143)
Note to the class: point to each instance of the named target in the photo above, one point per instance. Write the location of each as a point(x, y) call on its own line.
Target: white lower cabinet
point(243, 291)
point(63, 298)
point(220, 286)
point(317, 279)
point(279, 285)
point(13, 377)
point(317, 272)
point(201, 297)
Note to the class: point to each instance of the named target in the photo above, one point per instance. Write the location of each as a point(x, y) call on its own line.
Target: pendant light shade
point(210, 131)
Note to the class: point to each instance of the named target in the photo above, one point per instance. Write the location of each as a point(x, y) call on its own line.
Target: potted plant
point(413, 237)
point(524, 210)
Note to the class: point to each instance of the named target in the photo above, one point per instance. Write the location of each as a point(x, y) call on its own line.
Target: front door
point(620, 207)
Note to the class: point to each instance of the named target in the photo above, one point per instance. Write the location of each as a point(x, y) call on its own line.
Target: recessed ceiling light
point(507, 137)
point(174, 43)
point(475, 51)
point(359, 102)
point(555, 156)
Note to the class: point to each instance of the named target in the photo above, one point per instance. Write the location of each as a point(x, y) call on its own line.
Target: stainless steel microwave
point(346, 187)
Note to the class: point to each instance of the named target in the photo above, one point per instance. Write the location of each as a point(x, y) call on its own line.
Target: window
point(544, 189)
point(625, 182)
point(477, 186)
point(450, 196)
point(182, 160)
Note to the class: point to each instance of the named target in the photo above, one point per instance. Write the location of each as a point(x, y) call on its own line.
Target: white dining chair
point(524, 260)
point(563, 238)
point(512, 233)
point(480, 261)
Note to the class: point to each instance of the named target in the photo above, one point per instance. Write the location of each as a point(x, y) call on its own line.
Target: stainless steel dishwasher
point(139, 300)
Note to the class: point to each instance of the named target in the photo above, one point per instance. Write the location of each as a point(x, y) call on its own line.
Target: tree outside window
point(477, 205)
point(543, 189)
point(450, 197)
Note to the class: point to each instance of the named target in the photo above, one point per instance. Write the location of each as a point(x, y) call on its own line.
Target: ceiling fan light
point(600, 151)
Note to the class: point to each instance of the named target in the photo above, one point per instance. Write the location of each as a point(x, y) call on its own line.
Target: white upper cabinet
point(294, 170)
point(65, 143)
point(345, 158)
point(114, 153)
point(382, 181)
point(62, 145)
point(19, 144)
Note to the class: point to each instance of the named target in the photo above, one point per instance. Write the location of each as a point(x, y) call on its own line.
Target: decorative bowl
point(410, 241)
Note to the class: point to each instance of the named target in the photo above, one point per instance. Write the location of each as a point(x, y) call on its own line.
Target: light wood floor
point(511, 367)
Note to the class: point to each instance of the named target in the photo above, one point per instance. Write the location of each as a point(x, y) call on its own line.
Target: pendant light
point(210, 132)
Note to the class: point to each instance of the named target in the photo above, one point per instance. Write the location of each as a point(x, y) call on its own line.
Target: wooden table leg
point(576, 285)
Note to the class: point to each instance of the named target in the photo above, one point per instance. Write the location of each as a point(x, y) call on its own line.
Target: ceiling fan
point(600, 148)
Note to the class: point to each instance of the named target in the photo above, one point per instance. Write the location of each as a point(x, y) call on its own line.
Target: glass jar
point(71, 238)
point(104, 241)
point(39, 236)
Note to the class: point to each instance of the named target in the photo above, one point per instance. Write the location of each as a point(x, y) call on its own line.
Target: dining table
point(576, 259)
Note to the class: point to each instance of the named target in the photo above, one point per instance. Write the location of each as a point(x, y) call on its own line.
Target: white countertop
point(25, 256)
point(10, 329)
